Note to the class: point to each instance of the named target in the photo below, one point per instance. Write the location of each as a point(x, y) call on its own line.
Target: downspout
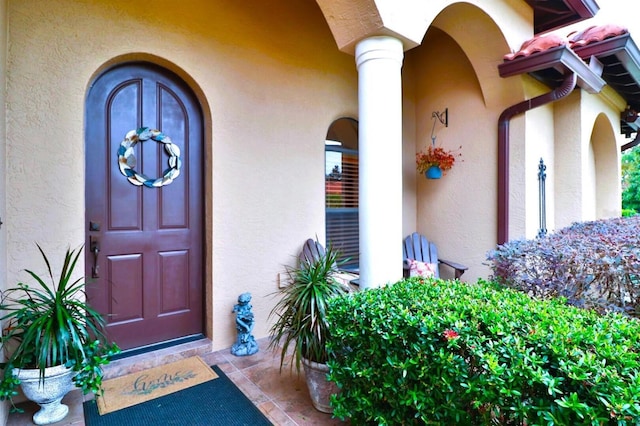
point(567, 86)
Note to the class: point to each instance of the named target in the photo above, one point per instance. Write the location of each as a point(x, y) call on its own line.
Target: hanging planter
point(435, 161)
point(433, 172)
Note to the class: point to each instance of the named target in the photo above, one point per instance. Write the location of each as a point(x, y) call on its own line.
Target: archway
point(144, 233)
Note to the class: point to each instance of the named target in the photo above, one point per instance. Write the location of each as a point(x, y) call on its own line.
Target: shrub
point(445, 352)
point(592, 264)
point(628, 212)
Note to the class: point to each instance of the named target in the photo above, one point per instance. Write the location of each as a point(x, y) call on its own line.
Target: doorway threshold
point(158, 354)
point(157, 346)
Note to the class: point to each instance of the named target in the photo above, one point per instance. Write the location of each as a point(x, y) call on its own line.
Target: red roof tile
point(595, 33)
point(537, 44)
point(549, 57)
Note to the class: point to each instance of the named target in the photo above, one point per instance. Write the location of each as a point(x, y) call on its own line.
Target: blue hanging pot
point(433, 172)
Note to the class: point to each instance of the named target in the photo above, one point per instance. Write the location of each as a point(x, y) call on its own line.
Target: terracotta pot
point(320, 389)
point(48, 394)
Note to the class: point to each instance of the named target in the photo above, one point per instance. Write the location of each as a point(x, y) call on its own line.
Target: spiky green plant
point(45, 325)
point(301, 326)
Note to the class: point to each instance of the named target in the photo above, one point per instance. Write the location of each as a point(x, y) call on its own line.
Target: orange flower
point(436, 156)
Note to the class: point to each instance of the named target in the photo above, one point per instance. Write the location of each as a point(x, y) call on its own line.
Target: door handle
point(94, 246)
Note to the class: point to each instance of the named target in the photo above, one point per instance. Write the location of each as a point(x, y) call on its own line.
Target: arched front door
point(144, 240)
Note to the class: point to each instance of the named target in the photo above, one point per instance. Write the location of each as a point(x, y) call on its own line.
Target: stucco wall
point(568, 190)
point(539, 143)
point(3, 161)
point(456, 67)
point(601, 120)
point(271, 80)
point(353, 20)
point(579, 178)
point(606, 169)
point(458, 211)
point(409, 182)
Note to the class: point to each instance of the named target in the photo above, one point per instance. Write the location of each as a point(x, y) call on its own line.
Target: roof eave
point(584, 8)
point(574, 11)
point(622, 46)
point(626, 52)
point(562, 60)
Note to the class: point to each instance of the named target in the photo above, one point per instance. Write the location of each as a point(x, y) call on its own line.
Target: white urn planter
point(48, 394)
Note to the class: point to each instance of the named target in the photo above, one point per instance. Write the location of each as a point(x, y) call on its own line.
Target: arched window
point(341, 190)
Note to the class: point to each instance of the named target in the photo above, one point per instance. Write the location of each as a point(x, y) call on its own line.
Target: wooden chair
point(417, 247)
point(312, 250)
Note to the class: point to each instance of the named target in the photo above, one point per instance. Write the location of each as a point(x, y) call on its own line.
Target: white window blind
point(341, 202)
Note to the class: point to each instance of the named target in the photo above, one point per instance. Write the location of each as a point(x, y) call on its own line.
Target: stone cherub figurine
point(246, 343)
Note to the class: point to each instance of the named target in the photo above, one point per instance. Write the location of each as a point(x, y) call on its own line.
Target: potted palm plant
point(300, 330)
point(52, 340)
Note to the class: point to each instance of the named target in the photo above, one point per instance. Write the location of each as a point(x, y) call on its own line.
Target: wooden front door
point(144, 243)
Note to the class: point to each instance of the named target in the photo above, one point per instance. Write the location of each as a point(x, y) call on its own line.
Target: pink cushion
point(421, 269)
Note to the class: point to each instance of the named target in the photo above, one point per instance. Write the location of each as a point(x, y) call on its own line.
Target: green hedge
point(443, 352)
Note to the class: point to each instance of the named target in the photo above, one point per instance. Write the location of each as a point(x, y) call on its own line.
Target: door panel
point(149, 263)
point(125, 299)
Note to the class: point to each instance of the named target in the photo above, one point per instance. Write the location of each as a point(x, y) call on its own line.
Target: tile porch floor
point(283, 398)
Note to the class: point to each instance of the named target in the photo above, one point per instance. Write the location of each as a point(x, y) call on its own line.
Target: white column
point(379, 62)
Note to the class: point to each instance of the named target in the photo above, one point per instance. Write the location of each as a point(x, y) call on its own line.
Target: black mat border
point(230, 408)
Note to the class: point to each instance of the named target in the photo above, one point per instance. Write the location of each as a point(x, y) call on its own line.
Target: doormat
point(136, 388)
point(213, 403)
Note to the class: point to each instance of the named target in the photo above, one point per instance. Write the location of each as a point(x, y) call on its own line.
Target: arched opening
point(455, 68)
point(341, 190)
point(144, 235)
point(604, 164)
point(446, 209)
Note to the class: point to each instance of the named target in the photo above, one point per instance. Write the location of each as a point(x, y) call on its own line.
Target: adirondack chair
point(312, 250)
point(417, 247)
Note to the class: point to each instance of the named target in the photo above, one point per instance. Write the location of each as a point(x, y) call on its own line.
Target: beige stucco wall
point(352, 20)
point(576, 138)
point(4, 412)
point(568, 173)
point(537, 144)
point(456, 68)
point(458, 211)
point(486, 30)
point(606, 169)
point(410, 72)
point(270, 79)
point(588, 142)
point(601, 118)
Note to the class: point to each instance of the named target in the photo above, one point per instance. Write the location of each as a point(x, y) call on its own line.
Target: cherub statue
point(246, 343)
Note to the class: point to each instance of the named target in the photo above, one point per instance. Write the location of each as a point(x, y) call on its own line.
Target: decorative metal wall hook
point(542, 198)
point(443, 118)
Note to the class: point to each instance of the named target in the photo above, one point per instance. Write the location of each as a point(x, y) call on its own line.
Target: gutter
point(631, 144)
point(567, 86)
point(557, 67)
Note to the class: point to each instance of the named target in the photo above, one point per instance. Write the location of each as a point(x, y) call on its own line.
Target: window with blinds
point(341, 190)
